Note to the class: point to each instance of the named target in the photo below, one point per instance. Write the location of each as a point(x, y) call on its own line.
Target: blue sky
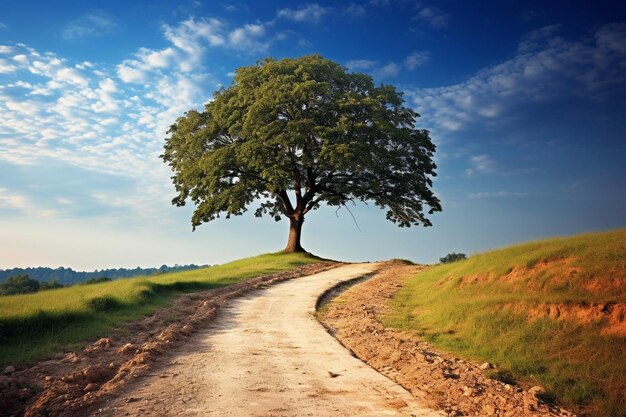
point(526, 102)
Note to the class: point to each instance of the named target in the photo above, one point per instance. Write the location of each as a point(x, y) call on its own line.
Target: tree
point(19, 284)
point(290, 134)
point(452, 257)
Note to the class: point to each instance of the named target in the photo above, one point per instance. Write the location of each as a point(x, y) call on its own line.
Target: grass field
point(37, 325)
point(546, 313)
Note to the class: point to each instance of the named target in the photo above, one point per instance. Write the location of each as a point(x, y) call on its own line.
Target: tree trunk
point(295, 231)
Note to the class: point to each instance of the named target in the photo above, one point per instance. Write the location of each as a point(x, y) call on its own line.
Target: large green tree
point(291, 134)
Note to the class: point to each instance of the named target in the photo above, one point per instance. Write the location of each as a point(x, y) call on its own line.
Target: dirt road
point(266, 355)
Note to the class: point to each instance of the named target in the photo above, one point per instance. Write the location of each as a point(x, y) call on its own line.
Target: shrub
point(104, 303)
point(452, 257)
point(50, 285)
point(96, 280)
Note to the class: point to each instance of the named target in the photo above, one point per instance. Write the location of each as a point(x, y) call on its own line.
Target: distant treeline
point(67, 276)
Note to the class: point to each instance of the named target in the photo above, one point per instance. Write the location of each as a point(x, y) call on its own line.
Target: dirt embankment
point(73, 381)
point(442, 381)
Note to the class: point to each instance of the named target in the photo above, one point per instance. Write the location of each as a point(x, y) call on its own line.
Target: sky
point(525, 100)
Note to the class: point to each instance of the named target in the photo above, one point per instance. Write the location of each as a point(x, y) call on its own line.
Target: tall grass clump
point(510, 307)
point(40, 324)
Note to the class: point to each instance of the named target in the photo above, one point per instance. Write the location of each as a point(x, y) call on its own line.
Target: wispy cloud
point(111, 120)
point(355, 10)
point(311, 13)
point(496, 194)
point(3, 26)
point(546, 67)
point(416, 59)
point(17, 201)
point(432, 16)
point(389, 69)
point(89, 25)
point(375, 68)
point(480, 164)
point(361, 64)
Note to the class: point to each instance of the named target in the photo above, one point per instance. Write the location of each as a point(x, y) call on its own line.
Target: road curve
point(266, 355)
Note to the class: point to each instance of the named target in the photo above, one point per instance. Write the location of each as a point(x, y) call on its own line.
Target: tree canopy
point(293, 133)
point(19, 284)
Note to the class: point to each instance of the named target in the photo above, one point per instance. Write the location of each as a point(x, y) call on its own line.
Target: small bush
point(105, 303)
point(50, 285)
point(96, 280)
point(452, 257)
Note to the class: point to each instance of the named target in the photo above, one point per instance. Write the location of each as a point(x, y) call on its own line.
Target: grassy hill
point(549, 313)
point(40, 324)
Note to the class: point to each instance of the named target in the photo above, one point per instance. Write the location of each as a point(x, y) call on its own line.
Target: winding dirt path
point(266, 355)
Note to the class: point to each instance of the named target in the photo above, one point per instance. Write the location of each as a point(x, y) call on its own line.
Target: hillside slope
point(36, 325)
point(549, 312)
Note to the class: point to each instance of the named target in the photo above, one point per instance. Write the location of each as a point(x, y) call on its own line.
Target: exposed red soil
point(443, 381)
point(612, 316)
point(613, 280)
point(74, 381)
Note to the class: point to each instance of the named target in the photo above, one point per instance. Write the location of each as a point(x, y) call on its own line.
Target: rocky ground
point(75, 381)
point(444, 382)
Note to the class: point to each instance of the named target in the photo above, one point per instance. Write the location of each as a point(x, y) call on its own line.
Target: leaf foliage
point(308, 127)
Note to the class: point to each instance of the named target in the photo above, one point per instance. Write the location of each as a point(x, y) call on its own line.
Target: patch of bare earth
point(612, 316)
point(441, 380)
point(75, 381)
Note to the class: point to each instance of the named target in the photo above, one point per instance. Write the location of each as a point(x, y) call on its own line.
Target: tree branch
point(287, 206)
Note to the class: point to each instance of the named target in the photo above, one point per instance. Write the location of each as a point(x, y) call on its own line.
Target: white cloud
point(361, 64)
point(160, 59)
point(536, 38)
point(128, 74)
point(6, 66)
point(6, 49)
point(22, 59)
point(108, 85)
point(355, 10)
point(85, 115)
point(495, 194)
point(433, 16)
point(89, 25)
point(416, 59)
point(612, 37)
point(72, 76)
point(311, 13)
point(247, 36)
point(16, 201)
point(11, 200)
point(3, 25)
point(388, 70)
point(546, 67)
point(480, 164)
point(189, 42)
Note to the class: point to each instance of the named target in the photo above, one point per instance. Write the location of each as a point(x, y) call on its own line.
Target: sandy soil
point(267, 355)
point(445, 382)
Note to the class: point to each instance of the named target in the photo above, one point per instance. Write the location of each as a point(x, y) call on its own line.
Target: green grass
point(479, 308)
point(33, 326)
